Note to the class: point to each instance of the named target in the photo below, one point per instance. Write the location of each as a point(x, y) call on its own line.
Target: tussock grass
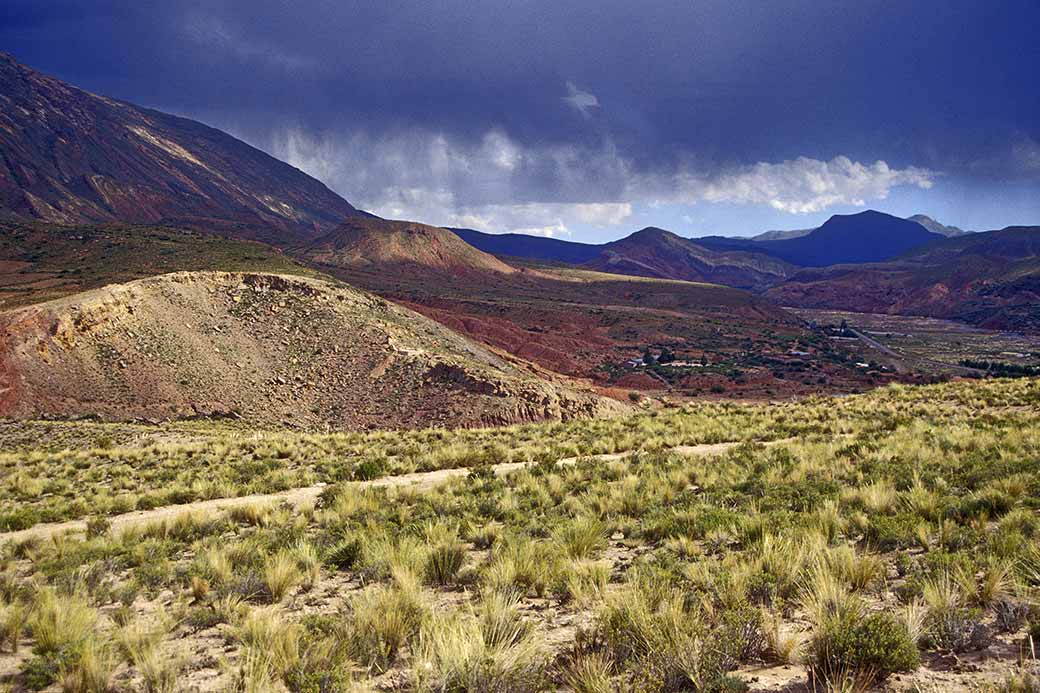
point(459, 653)
point(59, 622)
point(383, 620)
point(714, 562)
point(281, 574)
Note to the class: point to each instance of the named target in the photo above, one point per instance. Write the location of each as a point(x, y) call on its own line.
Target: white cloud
point(496, 184)
point(803, 185)
point(580, 100)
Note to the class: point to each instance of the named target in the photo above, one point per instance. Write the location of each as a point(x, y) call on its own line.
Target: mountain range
point(989, 279)
point(868, 236)
point(870, 262)
point(124, 230)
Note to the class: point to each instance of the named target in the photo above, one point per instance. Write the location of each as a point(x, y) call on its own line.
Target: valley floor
point(889, 540)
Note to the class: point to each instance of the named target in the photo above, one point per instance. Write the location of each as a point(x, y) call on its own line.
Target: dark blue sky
point(590, 119)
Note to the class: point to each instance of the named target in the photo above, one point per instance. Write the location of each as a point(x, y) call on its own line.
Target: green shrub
point(861, 648)
point(345, 554)
point(371, 468)
point(957, 629)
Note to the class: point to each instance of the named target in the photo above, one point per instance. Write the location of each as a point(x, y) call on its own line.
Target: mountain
point(651, 252)
point(654, 252)
point(868, 236)
point(925, 221)
point(531, 247)
point(267, 348)
point(380, 244)
point(935, 227)
point(781, 235)
point(989, 279)
point(69, 156)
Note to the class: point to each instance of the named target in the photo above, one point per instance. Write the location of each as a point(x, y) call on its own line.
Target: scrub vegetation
point(882, 540)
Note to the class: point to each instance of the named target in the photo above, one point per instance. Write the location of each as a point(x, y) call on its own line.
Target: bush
point(865, 649)
point(345, 554)
point(372, 468)
point(956, 630)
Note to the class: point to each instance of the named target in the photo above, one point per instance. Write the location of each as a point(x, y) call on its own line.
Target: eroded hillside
point(267, 348)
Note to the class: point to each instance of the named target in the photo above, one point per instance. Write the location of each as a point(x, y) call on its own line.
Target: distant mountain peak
point(937, 227)
point(650, 232)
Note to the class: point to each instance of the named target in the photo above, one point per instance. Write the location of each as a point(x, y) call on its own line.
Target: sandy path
point(307, 494)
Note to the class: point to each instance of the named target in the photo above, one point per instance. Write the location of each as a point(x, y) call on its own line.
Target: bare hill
point(267, 348)
point(369, 242)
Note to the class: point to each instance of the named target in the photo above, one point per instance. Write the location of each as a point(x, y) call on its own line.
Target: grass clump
point(666, 646)
point(281, 574)
point(488, 651)
point(444, 561)
point(383, 620)
point(581, 538)
point(61, 622)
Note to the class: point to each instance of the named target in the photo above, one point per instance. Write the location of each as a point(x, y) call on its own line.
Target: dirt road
point(300, 496)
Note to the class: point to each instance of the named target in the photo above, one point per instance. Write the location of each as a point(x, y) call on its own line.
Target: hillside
point(70, 156)
point(989, 279)
point(531, 247)
point(654, 252)
point(267, 348)
point(780, 235)
point(40, 261)
point(868, 236)
point(937, 227)
point(651, 252)
point(369, 243)
point(589, 324)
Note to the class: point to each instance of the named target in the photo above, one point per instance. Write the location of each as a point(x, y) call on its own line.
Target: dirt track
point(300, 496)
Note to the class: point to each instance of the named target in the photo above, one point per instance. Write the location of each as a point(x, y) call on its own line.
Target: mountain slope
point(781, 235)
point(40, 261)
point(380, 244)
point(531, 247)
point(868, 236)
point(654, 252)
point(69, 156)
point(266, 348)
point(989, 279)
point(935, 227)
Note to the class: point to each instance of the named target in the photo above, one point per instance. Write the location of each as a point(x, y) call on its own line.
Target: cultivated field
point(932, 345)
point(886, 540)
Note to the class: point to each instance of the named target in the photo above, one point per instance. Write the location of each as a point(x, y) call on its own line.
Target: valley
point(256, 439)
point(931, 345)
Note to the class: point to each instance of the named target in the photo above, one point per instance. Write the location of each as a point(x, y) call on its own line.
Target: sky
point(587, 120)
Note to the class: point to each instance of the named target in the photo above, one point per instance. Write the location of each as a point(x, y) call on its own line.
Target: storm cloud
point(551, 116)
